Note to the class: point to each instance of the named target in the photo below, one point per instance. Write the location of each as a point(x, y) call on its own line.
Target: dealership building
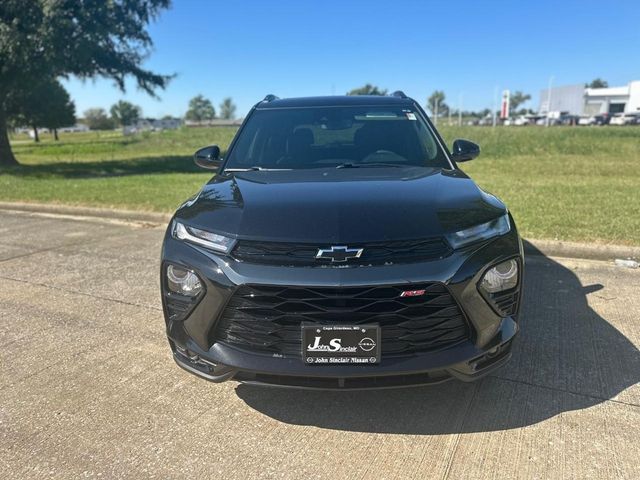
point(578, 100)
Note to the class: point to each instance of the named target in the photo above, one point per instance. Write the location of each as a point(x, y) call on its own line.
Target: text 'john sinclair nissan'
point(340, 246)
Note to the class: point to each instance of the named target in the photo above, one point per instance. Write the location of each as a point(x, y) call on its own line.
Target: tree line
point(201, 109)
point(49, 106)
point(124, 113)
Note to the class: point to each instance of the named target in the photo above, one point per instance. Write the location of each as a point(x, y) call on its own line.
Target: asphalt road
point(88, 388)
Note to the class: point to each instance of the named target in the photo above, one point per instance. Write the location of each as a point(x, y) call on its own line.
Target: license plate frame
point(341, 344)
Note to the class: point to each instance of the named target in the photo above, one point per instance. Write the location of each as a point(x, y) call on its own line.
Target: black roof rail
point(270, 98)
point(399, 93)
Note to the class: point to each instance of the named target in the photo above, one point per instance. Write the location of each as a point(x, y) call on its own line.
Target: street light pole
point(549, 99)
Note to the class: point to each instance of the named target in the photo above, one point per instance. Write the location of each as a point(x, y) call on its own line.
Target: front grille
point(304, 254)
point(268, 318)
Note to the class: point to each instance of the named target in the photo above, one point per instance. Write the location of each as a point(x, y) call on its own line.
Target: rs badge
point(412, 293)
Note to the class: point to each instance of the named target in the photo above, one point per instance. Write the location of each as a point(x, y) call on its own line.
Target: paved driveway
point(88, 388)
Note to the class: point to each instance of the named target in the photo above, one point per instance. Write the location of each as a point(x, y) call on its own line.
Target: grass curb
point(77, 211)
point(590, 251)
point(549, 248)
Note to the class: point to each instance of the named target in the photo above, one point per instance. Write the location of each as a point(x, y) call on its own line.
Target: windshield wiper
point(372, 164)
point(255, 169)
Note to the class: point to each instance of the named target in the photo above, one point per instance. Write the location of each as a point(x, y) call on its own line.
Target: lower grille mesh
point(179, 306)
point(506, 302)
point(268, 318)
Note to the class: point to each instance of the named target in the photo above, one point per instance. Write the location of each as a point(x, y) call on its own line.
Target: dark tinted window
point(330, 136)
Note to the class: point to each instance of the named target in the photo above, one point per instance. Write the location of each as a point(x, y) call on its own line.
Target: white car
point(518, 121)
point(629, 118)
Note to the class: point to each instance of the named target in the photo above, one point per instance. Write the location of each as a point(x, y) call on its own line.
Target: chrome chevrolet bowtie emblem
point(339, 254)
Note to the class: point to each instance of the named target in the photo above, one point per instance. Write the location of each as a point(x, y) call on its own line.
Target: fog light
point(183, 281)
point(503, 276)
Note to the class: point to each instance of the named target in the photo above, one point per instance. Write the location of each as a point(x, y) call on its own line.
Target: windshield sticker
point(411, 116)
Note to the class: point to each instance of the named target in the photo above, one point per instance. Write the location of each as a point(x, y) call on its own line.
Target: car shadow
point(566, 357)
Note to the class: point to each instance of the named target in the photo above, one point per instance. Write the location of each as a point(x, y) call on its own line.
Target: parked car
point(534, 119)
point(628, 118)
point(569, 119)
point(516, 121)
point(339, 245)
point(587, 120)
point(603, 119)
point(542, 121)
point(600, 119)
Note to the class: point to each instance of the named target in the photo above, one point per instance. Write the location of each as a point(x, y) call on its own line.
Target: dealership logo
point(335, 345)
point(339, 253)
point(367, 344)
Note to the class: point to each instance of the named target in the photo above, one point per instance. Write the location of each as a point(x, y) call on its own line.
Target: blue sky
point(295, 48)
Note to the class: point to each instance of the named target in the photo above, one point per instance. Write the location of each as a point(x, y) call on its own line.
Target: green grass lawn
point(580, 184)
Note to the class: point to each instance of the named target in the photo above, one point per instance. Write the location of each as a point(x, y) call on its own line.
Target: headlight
point(503, 276)
point(496, 227)
point(202, 237)
point(183, 281)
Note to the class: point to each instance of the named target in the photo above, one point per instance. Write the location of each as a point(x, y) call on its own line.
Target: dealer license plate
point(340, 344)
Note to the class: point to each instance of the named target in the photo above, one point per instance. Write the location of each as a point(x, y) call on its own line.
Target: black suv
point(340, 246)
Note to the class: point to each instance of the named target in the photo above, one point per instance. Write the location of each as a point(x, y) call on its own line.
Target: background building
point(578, 100)
point(569, 98)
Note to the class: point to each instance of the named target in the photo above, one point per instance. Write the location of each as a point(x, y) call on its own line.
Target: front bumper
point(488, 349)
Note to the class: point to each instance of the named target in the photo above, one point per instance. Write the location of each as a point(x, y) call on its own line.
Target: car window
point(316, 137)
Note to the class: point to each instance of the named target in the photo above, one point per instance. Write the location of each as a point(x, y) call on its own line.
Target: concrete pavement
point(88, 387)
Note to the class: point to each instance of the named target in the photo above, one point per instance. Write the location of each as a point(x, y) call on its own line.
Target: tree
point(59, 110)
point(28, 110)
point(368, 89)
point(52, 39)
point(228, 109)
point(45, 104)
point(597, 83)
point(97, 119)
point(437, 99)
point(125, 113)
point(200, 109)
point(516, 99)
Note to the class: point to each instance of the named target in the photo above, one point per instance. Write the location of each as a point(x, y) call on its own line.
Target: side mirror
point(464, 150)
point(208, 157)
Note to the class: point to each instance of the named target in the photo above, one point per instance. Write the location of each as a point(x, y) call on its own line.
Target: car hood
point(350, 205)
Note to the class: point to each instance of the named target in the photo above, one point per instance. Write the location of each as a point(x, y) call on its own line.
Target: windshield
point(324, 137)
